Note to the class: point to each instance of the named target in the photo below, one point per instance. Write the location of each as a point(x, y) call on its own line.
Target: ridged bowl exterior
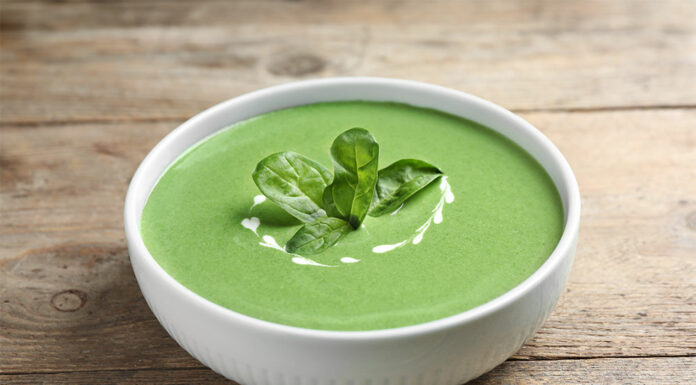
point(448, 351)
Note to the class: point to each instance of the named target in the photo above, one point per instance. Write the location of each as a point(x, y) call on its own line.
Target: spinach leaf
point(354, 154)
point(329, 204)
point(293, 182)
point(331, 209)
point(314, 237)
point(398, 182)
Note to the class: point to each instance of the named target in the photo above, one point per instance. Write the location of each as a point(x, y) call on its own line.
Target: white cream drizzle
point(253, 223)
point(384, 248)
point(257, 201)
point(269, 241)
point(397, 209)
point(447, 197)
point(306, 261)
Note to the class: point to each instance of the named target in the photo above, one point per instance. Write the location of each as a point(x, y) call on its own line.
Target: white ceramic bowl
point(451, 350)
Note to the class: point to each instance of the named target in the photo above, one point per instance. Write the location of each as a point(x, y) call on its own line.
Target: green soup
point(460, 242)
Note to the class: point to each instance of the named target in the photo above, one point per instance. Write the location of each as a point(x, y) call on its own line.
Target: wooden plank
point(67, 292)
point(76, 307)
point(143, 60)
point(633, 277)
point(68, 297)
point(599, 371)
point(56, 179)
point(121, 377)
point(23, 15)
point(678, 370)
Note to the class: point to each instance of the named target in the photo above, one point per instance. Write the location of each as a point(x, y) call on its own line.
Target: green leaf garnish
point(317, 236)
point(293, 182)
point(329, 204)
point(330, 208)
point(355, 154)
point(398, 182)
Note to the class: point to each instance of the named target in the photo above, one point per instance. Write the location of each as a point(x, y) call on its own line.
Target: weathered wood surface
point(86, 89)
point(568, 372)
point(81, 61)
point(67, 290)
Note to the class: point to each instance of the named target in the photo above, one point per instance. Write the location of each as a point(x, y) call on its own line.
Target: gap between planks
point(205, 368)
point(149, 369)
point(165, 119)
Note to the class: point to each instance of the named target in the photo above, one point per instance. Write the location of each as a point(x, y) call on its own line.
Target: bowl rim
point(563, 248)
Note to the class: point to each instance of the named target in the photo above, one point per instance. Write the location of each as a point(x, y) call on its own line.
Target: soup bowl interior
point(447, 351)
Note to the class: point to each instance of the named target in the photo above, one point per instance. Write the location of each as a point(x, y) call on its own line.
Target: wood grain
point(569, 372)
point(631, 291)
point(168, 59)
point(88, 87)
point(601, 371)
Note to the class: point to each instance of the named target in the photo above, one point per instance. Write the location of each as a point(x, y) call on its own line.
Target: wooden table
point(88, 88)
